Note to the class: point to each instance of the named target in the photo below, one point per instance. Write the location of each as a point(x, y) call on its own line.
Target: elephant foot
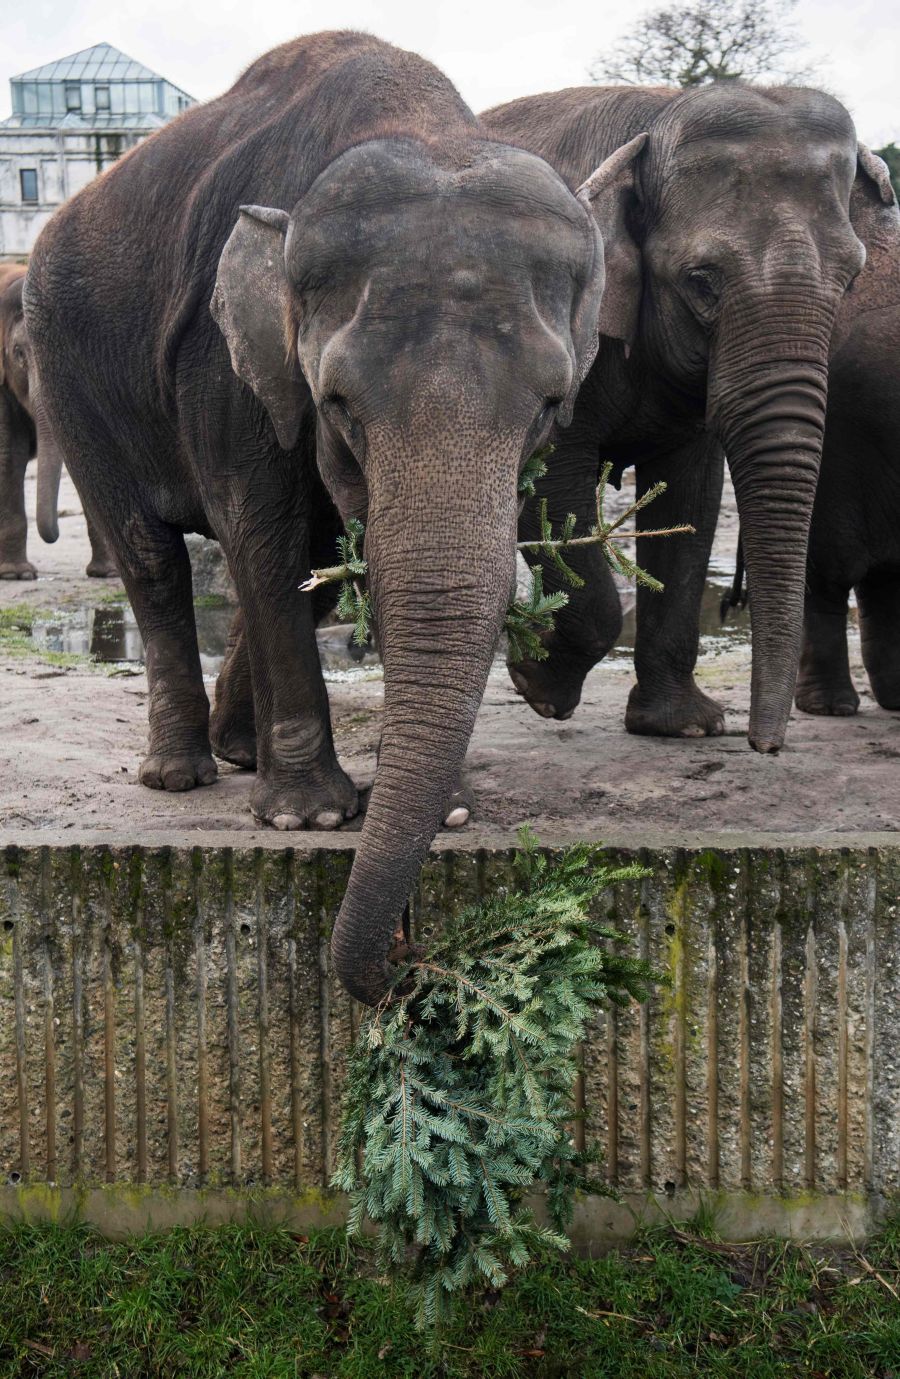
point(321, 804)
point(177, 770)
point(97, 568)
point(549, 693)
point(460, 806)
point(886, 696)
point(17, 569)
point(237, 745)
point(837, 701)
point(681, 712)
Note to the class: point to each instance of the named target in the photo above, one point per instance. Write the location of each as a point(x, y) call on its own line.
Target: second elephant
point(729, 251)
point(21, 437)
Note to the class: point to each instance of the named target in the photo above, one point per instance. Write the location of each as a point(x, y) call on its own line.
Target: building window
point(73, 95)
point(29, 183)
point(101, 97)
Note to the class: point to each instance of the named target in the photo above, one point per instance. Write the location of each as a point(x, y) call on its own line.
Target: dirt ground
point(73, 736)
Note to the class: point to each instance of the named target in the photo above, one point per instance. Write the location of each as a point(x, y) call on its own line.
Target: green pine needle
point(459, 1093)
point(527, 619)
point(528, 622)
point(535, 468)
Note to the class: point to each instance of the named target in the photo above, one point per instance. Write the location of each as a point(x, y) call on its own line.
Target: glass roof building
point(70, 119)
point(96, 88)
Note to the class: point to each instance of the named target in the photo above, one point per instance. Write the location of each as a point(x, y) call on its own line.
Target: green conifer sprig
point(459, 1093)
point(527, 620)
point(354, 604)
point(535, 468)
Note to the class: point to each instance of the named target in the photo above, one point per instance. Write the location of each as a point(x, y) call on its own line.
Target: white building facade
point(70, 120)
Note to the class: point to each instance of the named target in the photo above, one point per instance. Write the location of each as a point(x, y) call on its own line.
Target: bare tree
point(710, 40)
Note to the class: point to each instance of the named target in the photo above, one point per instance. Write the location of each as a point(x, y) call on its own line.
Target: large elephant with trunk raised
point(325, 294)
point(20, 407)
point(729, 250)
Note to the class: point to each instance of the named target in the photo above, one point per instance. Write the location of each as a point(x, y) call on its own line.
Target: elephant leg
point(156, 570)
point(824, 685)
point(101, 565)
point(232, 724)
point(14, 562)
point(299, 782)
point(878, 597)
point(591, 622)
point(666, 701)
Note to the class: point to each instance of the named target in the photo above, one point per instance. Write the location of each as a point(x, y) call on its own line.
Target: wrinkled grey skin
point(731, 254)
point(22, 434)
point(400, 310)
point(854, 540)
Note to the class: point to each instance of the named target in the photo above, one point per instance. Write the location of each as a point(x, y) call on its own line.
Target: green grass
point(212, 601)
point(17, 625)
point(257, 1303)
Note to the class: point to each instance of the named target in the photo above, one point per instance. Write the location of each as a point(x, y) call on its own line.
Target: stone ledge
point(120, 1211)
point(169, 1021)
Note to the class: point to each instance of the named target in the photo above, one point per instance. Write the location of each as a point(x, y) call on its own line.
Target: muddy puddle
point(716, 637)
point(108, 633)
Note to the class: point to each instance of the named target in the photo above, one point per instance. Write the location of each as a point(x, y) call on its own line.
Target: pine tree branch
point(449, 1122)
point(526, 622)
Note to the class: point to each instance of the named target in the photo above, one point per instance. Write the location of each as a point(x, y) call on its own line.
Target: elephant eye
point(704, 288)
point(335, 407)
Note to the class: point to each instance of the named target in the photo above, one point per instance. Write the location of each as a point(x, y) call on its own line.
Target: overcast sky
point(492, 49)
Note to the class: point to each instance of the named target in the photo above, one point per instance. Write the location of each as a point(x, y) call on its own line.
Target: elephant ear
point(608, 193)
point(250, 304)
point(875, 169)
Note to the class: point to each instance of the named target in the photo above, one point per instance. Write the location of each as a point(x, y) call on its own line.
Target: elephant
point(854, 540)
point(19, 399)
point(729, 251)
point(325, 295)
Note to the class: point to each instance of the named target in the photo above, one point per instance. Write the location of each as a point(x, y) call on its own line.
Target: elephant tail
point(738, 595)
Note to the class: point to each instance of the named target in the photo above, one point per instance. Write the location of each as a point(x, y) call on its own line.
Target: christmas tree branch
point(526, 621)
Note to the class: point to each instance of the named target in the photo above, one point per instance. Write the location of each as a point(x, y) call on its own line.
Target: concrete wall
point(172, 1041)
point(65, 161)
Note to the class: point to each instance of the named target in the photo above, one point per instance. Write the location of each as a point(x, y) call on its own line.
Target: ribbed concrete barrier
point(172, 1042)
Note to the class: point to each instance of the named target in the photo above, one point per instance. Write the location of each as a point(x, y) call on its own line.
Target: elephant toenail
point(329, 818)
point(178, 780)
point(457, 817)
point(287, 821)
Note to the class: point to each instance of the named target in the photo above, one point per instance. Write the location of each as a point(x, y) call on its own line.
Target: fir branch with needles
point(459, 1098)
point(527, 620)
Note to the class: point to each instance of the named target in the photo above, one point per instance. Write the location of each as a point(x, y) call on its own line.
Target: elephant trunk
point(767, 397)
point(440, 570)
point(49, 471)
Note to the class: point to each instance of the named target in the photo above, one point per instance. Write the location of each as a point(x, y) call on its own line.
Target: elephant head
point(730, 242)
point(18, 375)
point(440, 315)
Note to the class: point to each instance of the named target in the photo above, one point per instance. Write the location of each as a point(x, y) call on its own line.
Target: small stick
point(599, 538)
